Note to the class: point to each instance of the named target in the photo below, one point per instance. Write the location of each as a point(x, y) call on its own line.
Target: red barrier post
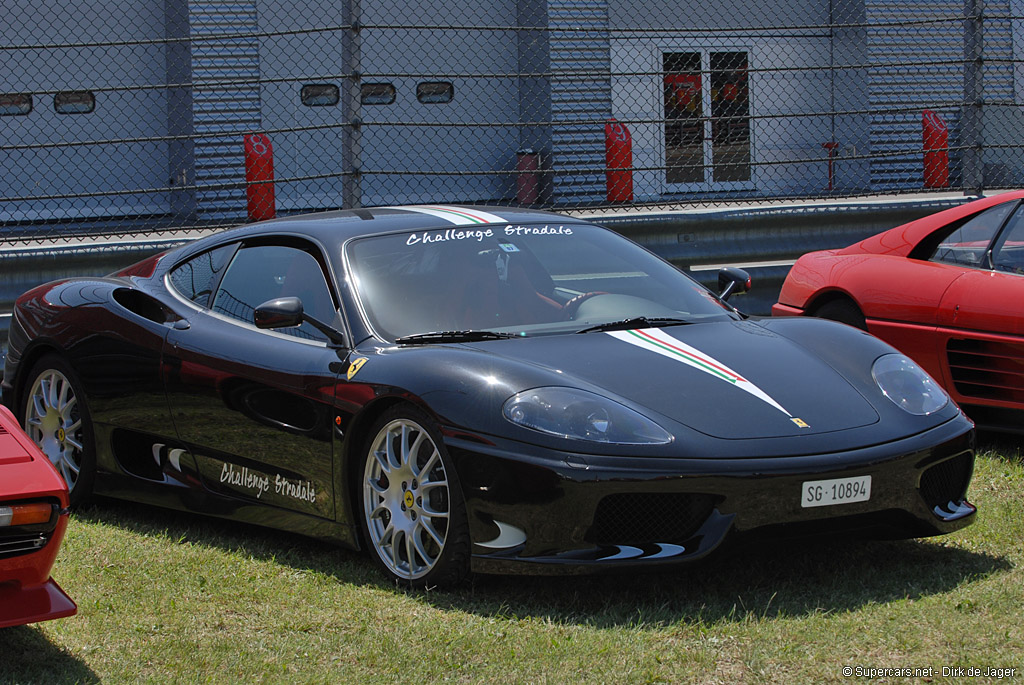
point(259, 177)
point(935, 137)
point(618, 148)
point(831, 146)
point(528, 179)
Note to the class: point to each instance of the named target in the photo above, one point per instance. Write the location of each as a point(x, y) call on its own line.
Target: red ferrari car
point(33, 516)
point(947, 290)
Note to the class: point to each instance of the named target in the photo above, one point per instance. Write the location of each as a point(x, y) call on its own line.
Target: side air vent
point(143, 305)
point(987, 370)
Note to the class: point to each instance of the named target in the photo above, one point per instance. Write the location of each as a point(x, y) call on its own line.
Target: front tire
point(413, 512)
point(55, 415)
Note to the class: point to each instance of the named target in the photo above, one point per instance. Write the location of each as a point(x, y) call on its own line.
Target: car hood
point(733, 380)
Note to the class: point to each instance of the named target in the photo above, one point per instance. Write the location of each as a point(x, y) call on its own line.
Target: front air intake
point(947, 481)
point(643, 518)
point(21, 544)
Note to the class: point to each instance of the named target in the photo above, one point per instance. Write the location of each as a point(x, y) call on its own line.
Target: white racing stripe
point(460, 216)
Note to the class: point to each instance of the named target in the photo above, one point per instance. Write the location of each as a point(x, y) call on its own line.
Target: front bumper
point(30, 604)
point(533, 510)
point(779, 309)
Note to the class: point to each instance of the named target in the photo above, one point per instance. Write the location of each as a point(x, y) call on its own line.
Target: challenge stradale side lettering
point(244, 478)
point(301, 490)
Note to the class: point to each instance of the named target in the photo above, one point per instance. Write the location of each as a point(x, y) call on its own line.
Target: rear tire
point(55, 415)
point(843, 311)
point(413, 514)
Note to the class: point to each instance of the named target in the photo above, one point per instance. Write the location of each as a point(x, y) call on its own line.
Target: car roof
point(335, 227)
point(901, 240)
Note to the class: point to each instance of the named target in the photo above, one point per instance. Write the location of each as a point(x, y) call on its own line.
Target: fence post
point(181, 159)
point(971, 135)
point(351, 135)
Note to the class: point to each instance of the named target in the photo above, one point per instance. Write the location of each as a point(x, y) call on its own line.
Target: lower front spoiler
point(20, 605)
point(541, 514)
point(612, 557)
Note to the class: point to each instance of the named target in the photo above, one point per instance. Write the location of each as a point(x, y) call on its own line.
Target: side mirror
point(732, 281)
point(284, 312)
point(287, 312)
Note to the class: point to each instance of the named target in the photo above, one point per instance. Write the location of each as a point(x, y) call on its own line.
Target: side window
point(266, 272)
point(195, 279)
point(376, 94)
point(968, 244)
point(74, 102)
point(1008, 254)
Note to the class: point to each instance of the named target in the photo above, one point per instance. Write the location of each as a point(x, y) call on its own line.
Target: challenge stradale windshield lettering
point(448, 235)
point(537, 230)
point(456, 234)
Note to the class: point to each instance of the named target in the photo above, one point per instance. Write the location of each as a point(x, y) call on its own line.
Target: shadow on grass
point(791, 579)
point(28, 656)
point(1002, 446)
point(788, 579)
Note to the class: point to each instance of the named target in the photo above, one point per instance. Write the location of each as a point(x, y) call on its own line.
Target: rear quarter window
point(195, 279)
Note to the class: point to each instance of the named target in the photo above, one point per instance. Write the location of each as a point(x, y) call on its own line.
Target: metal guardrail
point(764, 240)
point(25, 267)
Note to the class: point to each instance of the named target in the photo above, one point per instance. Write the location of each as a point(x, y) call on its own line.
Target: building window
point(707, 117)
point(377, 94)
point(320, 95)
point(15, 104)
point(74, 102)
point(435, 92)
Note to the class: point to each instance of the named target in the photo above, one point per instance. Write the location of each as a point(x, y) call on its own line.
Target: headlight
point(910, 388)
point(581, 415)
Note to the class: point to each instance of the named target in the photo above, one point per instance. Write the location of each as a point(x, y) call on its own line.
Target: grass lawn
point(166, 597)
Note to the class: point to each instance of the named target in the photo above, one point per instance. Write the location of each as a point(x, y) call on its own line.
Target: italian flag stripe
point(460, 216)
point(703, 362)
point(659, 342)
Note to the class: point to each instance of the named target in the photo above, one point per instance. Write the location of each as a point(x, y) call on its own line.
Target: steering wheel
point(570, 308)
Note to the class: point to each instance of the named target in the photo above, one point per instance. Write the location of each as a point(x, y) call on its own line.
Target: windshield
point(521, 279)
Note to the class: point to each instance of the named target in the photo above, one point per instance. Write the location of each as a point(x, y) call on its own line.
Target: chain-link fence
point(121, 118)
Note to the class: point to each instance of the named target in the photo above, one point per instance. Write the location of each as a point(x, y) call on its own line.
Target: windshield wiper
point(636, 322)
point(454, 336)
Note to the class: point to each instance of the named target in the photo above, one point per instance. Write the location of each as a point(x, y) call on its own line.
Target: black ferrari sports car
point(495, 390)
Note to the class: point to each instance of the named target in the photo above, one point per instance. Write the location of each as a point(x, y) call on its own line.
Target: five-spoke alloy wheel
point(413, 513)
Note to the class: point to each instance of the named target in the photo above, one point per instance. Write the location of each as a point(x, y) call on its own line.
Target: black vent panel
point(15, 545)
point(642, 518)
point(947, 481)
point(987, 370)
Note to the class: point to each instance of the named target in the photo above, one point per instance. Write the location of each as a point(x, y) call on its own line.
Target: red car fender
point(27, 592)
point(808, 276)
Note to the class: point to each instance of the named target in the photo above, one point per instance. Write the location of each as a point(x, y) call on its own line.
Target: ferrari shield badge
point(354, 367)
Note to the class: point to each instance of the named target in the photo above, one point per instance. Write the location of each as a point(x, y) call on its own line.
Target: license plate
point(823, 493)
